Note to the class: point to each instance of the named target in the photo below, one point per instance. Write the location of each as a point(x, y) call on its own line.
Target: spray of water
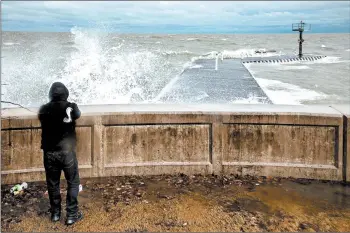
point(100, 68)
point(99, 74)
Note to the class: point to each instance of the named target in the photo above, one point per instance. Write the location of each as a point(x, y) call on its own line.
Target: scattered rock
point(136, 230)
point(138, 194)
point(303, 226)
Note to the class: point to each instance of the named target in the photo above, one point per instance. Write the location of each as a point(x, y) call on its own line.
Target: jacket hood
point(58, 91)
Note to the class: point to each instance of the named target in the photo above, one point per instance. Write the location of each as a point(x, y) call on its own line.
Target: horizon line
point(180, 33)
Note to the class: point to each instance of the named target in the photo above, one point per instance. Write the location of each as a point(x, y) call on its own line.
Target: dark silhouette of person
point(58, 141)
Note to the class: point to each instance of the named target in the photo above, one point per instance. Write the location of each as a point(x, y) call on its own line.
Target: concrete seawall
point(267, 140)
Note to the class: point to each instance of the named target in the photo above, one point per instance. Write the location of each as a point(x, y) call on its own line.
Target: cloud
point(123, 15)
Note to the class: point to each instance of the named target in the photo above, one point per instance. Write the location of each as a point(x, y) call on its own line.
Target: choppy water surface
point(110, 68)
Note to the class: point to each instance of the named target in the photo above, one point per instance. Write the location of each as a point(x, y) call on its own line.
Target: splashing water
point(96, 74)
point(104, 68)
point(99, 74)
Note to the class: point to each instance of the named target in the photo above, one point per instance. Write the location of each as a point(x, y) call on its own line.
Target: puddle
point(300, 198)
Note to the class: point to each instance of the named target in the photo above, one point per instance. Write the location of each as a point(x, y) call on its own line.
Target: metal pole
point(300, 28)
point(216, 62)
point(300, 43)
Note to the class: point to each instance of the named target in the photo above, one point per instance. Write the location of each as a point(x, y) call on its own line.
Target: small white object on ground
point(18, 188)
point(24, 185)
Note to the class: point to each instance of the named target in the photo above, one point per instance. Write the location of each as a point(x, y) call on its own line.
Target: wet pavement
point(232, 82)
point(187, 204)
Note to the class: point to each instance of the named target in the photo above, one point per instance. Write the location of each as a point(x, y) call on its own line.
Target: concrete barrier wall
point(113, 140)
point(345, 110)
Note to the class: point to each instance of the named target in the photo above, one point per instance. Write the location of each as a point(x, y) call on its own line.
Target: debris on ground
point(18, 188)
point(187, 203)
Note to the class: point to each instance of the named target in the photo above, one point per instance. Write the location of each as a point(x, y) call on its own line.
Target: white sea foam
point(239, 53)
point(285, 67)
point(192, 39)
point(201, 95)
point(10, 43)
point(171, 52)
point(250, 100)
point(328, 60)
point(166, 89)
point(285, 93)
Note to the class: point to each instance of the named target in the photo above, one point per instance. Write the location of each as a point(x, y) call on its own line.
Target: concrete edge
point(252, 75)
point(345, 111)
point(224, 109)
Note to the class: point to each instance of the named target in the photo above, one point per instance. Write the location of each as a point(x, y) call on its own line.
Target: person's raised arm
point(75, 112)
point(42, 113)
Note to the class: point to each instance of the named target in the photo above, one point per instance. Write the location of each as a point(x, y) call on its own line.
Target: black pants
point(55, 162)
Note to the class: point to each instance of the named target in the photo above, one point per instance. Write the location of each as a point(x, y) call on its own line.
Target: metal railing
point(301, 26)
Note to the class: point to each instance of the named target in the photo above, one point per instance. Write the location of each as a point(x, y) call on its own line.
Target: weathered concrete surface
point(284, 145)
point(22, 158)
point(156, 148)
point(270, 140)
point(203, 84)
point(345, 110)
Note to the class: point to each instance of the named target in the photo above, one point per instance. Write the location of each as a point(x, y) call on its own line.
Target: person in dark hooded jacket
point(58, 141)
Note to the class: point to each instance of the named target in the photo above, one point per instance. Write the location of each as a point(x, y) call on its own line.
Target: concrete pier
point(203, 84)
point(222, 81)
point(114, 140)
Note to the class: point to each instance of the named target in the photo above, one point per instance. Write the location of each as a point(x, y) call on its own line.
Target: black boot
point(73, 219)
point(55, 217)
